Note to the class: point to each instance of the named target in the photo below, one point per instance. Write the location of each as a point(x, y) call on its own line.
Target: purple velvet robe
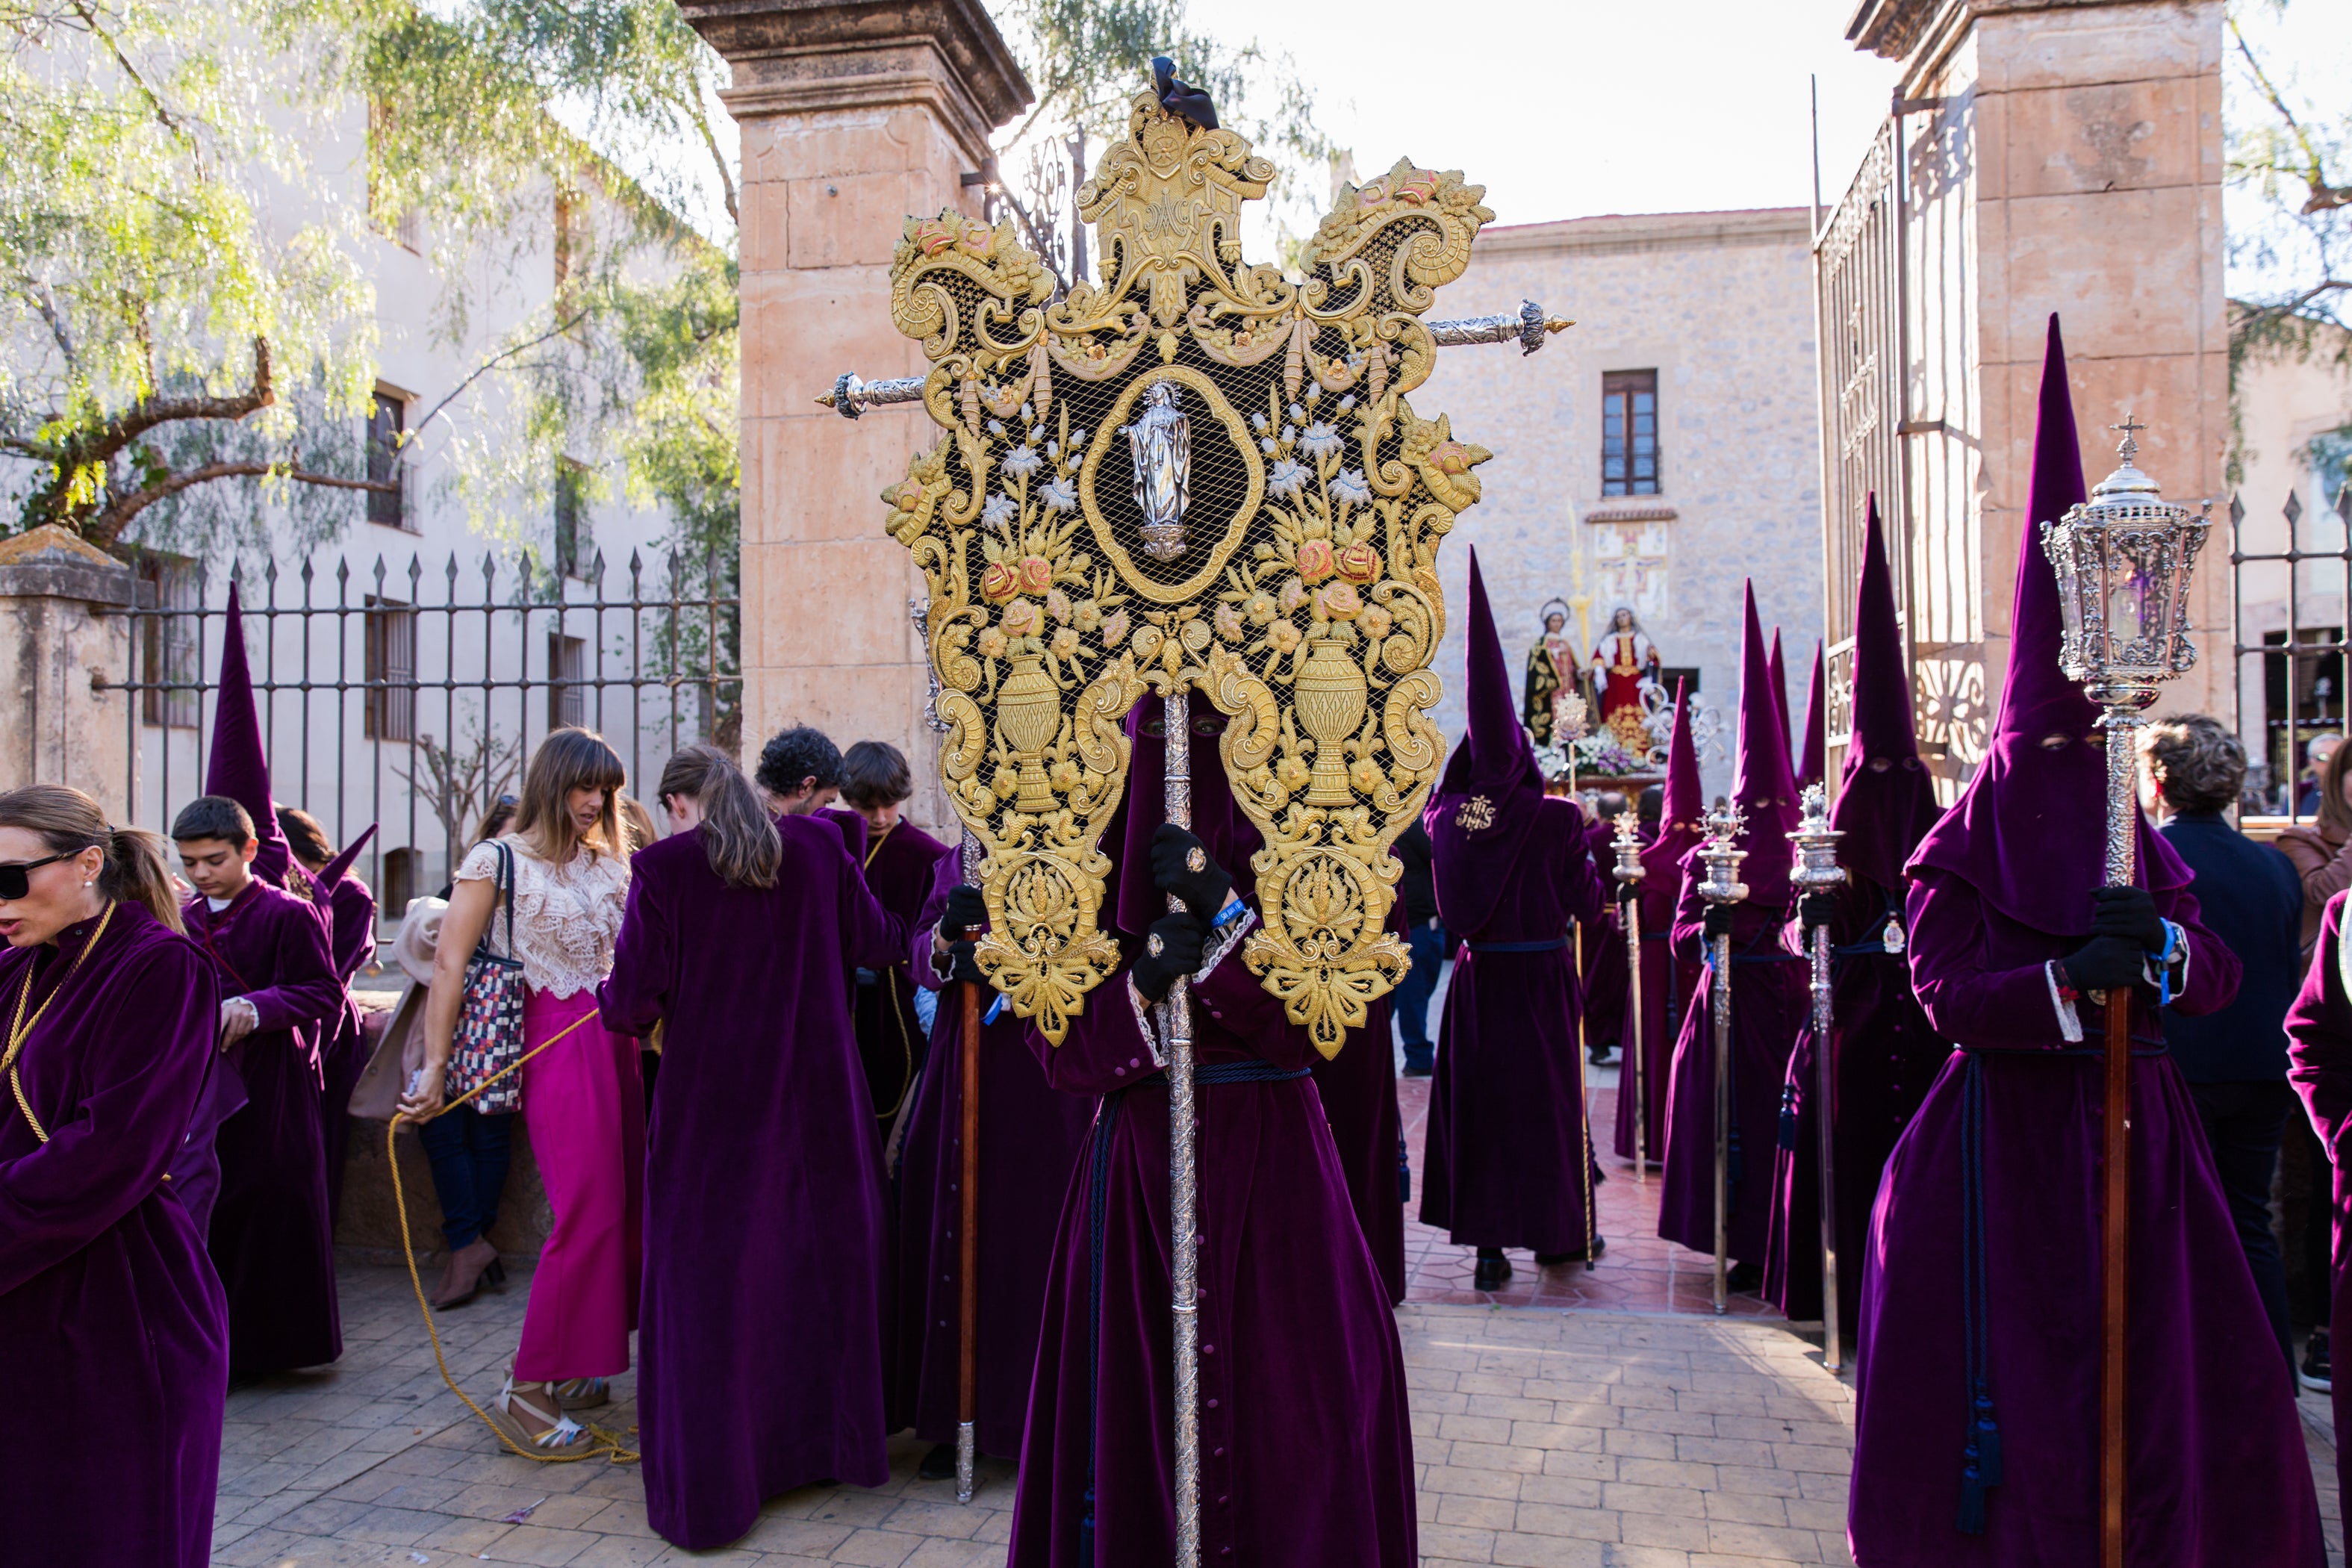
point(351, 909)
point(2319, 1065)
point(890, 1040)
point(1305, 1443)
point(1505, 1162)
point(1359, 1101)
point(1768, 1008)
point(1887, 1055)
point(271, 1237)
point(2218, 1471)
point(117, 1320)
point(759, 1325)
point(1030, 1135)
point(1601, 958)
point(1667, 983)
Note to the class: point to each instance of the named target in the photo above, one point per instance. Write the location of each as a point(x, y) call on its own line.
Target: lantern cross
point(2131, 427)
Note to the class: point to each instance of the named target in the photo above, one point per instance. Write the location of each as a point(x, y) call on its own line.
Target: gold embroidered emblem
point(1478, 813)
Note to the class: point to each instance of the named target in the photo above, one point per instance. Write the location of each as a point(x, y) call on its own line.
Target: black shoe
point(938, 1465)
point(1554, 1260)
point(2317, 1375)
point(1494, 1272)
point(1598, 1054)
point(1415, 1072)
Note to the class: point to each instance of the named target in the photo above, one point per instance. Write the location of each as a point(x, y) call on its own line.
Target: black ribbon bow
point(1184, 102)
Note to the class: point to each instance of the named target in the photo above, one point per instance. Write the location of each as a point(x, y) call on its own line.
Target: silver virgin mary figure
point(1160, 444)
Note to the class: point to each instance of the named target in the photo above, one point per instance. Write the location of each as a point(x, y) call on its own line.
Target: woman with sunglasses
point(110, 1015)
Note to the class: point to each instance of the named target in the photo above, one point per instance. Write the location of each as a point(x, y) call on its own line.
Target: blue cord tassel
point(1405, 1173)
point(1789, 1116)
point(1986, 1438)
point(1972, 1496)
point(1086, 1533)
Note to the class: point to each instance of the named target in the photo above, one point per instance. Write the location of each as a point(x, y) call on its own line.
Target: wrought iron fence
point(2303, 659)
point(379, 705)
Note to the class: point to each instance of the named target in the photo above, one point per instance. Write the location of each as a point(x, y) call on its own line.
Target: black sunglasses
point(16, 876)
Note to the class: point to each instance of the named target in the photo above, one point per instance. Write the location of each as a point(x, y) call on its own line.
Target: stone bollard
point(62, 632)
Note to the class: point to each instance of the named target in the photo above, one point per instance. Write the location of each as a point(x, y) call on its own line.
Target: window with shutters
point(386, 424)
point(167, 644)
point(1629, 433)
point(391, 668)
point(567, 673)
point(573, 541)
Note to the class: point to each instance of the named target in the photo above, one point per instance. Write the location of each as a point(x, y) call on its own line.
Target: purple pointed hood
point(1685, 802)
point(1482, 811)
point(2026, 832)
point(239, 766)
point(332, 872)
point(1779, 690)
point(1886, 800)
point(1760, 780)
point(1130, 897)
point(1813, 761)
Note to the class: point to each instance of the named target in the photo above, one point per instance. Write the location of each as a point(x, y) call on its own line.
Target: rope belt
point(1098, 1198)
point(1980, 1460)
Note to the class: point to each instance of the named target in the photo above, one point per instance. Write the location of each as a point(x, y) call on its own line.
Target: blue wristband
point(1234, 911)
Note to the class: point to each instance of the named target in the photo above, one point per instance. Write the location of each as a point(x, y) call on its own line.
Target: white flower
point(1025, 415)
point(1289, 434)
point(1061, 494)
point(1298, 415)
point(1347, 403)
point(1035, 431)
point(1078, 439)
point(1022, 461)
point(1259, 421)
point(1053, 449)
point(999, 511)
point(996, 427)
point(1287, 479)
point(1351, 487)
point(1321, 440)
point(1269, 444)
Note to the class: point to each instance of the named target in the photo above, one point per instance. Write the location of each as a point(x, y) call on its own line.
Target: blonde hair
point(569, 759)
point(641, 823)
point(2334, 814)
point(738, 835)
point(70, 822)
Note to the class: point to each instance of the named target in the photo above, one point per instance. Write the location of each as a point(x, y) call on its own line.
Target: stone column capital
point(804, 57)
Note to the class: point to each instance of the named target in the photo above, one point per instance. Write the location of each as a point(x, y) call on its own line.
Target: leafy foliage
point(2292, 153)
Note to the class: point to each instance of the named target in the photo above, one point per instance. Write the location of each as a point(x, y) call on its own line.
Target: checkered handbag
point(489, 1036)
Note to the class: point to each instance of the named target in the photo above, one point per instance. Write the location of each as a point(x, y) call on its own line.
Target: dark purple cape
point(2218, 1469)
point(1030, 1135)
point(1505, 1162)
point(120, 1328)
point(2319, 1057)
point(890, 1039)
point(1667, 980)
point(760, 1325)
point(1305, 1442)
point(1602, 945)
point(351, 909)
point(271, 1237)
point(1359, 1100)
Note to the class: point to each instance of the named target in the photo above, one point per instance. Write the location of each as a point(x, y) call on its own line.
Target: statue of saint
point(1625, 659)
point(1551, 670)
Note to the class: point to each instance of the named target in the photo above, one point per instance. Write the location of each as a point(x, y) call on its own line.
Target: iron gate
point(2303, 670)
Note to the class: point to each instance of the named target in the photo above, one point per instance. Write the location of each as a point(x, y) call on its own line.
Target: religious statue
point(1551, 672)
point(1160, 445)
point(1624, 661)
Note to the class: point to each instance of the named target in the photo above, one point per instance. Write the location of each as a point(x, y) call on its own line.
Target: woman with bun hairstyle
point(118, 1322)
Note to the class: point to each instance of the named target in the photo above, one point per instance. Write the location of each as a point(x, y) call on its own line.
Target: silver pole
point(1817, 871)
point(1723, 889)
point(1184, 1195)
point(1629, 869)
point(968, 1430)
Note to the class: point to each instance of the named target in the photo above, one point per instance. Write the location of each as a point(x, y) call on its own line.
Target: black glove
point(1814, 910)
point(2104, 963)
point(1628, 889)
point(967, 911)
point(1182, 866)
point(2129, 913)
point(1171, 949)
point(1718, 921)
point(964, 963)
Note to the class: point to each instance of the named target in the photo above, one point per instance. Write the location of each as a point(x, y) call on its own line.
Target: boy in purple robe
point(1768, 997)
point(350, 909)
point(1978, 1399)
point(113, 1314)
point(760, 1322)
point(271, 1237)
point(1886, 1054)
point(899, 860)
point(1508, 1152)
point(1305, 1443)
point(1670, 828)
point(1030, 1135)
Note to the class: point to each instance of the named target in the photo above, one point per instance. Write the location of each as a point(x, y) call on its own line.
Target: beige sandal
point(561, 1434)
point(584, 1393)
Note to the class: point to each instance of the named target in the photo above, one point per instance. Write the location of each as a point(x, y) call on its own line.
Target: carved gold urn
point(1330, 693)
point(1028, 713)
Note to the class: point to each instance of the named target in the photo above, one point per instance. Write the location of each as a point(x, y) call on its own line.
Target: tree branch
point(489, 365)
point(2325, 194)
point(143, 415)
point(108, 525)
point(718, 162)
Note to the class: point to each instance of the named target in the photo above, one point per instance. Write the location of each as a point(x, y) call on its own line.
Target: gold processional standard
point(1197, 475)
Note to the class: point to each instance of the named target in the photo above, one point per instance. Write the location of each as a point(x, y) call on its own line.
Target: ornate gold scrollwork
point(1303, 599)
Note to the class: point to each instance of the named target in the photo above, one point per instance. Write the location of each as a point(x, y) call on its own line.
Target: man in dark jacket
point(2234, 1059)
point(1427, 939)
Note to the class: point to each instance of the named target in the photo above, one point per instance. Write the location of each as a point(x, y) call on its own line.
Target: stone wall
point(62, 630)
point(1720, 305)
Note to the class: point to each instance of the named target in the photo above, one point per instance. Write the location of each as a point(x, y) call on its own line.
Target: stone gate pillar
point(62, 629)
point(855, 114)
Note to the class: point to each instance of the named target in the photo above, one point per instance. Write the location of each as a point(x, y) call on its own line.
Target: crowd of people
point(735, 1034)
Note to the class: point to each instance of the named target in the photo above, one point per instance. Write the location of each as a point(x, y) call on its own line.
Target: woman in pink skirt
point(582, 1098)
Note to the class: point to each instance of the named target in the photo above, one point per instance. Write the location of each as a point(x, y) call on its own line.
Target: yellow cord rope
point(602, 1439)
point(20, 1027)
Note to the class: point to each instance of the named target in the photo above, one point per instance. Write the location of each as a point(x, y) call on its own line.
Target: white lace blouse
point(565, 917)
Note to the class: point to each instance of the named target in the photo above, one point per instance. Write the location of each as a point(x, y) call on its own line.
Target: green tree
point(2292, 154)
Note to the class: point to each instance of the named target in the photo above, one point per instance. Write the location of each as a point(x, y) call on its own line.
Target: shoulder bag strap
point(507, 882)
